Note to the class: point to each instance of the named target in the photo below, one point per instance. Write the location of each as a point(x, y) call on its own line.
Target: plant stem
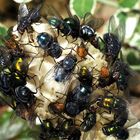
point(137, 68)
point(108, 2)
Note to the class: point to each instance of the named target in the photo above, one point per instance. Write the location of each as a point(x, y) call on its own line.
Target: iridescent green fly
point(118, 106)
point(65, 129)
point(71, 26)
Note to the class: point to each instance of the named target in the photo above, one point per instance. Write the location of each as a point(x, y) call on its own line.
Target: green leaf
point(138, 43)
point(135, 68)
point(15, 129)
point(138, 28)
point(127, 3)
point(101, 46)
point(133, 59)
point(81, 7)
point(4, 117)
point(3, 32)
point(122, 17)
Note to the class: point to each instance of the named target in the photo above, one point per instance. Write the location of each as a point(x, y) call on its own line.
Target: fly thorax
point(69, 63)
point(86, 32)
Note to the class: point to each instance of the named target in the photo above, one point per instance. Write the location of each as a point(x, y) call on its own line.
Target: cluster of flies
point(14, 66)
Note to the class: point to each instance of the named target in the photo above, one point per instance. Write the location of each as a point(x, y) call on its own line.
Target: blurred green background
point(128, 11)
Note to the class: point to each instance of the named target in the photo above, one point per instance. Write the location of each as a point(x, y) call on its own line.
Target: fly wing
point(87, 17)
point(51, 88)
point(96, 23)
point(68, 10)
point(76, 19)
point(52, 12)
point(117, 30)
point(22, 11)
point(112, 25)
point(34, 12)
point(120, 32)
point(92, 21)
